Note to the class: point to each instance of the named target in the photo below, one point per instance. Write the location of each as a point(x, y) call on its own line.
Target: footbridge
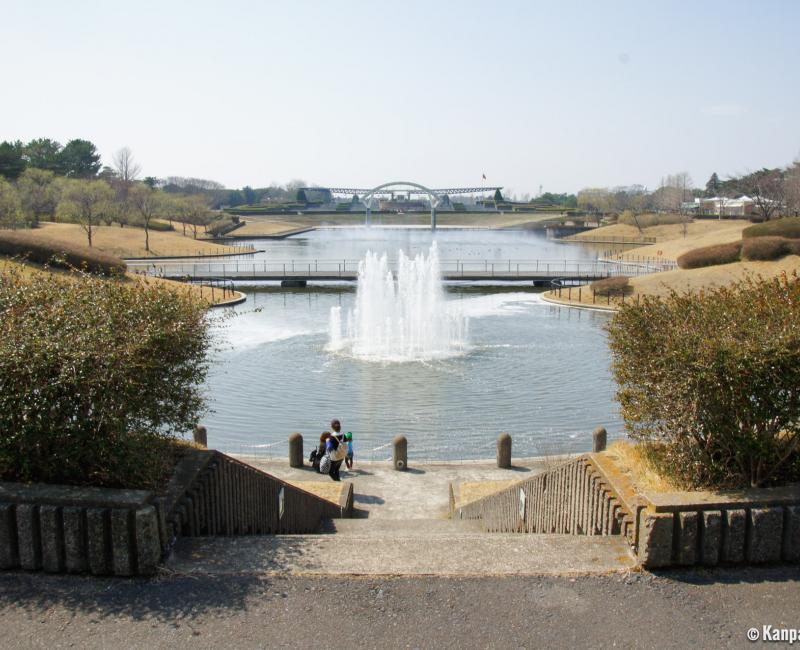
point(407, 189)
point(325, 270)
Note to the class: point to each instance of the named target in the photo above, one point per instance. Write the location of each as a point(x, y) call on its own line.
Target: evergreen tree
point(79, 159)
point(713, 186)
point(12, 164)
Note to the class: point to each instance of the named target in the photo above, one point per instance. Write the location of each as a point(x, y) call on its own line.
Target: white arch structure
point(435, 199)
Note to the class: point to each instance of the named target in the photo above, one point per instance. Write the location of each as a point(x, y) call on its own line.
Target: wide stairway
point(401, 526)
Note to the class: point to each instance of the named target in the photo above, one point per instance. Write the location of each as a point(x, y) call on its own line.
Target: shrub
point(616, 285)
point(787, 227)
point(650, 220)
point(769, 248)
point(710, 382)
point(222, 226)
point(96, 376)
point(711, 255)
point(160, 226)
point(64, 255)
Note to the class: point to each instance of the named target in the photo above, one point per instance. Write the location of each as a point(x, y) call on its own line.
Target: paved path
point(402, 552)
point(672, 610)
point(419, 493)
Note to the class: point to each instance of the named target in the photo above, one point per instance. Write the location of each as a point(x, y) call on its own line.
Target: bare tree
point(148, 204)
point(768, 192)
point(127, 169)
point(791, 184)
point(85, 203)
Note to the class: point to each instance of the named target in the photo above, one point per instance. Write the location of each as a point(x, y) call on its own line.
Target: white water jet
point(406, 320)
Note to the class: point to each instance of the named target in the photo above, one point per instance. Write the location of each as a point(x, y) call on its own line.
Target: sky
point(557, 95)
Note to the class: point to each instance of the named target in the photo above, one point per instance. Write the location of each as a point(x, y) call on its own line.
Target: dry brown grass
point(680, 280)
point(126, 242)
point(631, 462)
point(328, 490)
point(205, 294)
point(265, 227)
point(472, 491)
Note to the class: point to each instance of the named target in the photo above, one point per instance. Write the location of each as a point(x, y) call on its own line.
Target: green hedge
point(96, 376)
point(787, 227)
point(709, 382)
point(25, 244)
point(160, 226)
point(711, 255)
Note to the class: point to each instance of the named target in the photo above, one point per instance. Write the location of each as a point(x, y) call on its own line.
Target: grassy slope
point(128, 241)
point(674, 244)
point(201, 293)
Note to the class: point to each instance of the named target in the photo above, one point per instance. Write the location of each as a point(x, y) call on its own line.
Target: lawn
point(204, 294)
point(127, 242)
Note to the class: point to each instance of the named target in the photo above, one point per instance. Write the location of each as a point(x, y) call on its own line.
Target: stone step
point(401, 527)
point(401, 553)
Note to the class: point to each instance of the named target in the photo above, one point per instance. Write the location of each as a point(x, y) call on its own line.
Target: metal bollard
point(400, 453)
point(599, 438)
point(295, 450)
point(201, 436)
point(504, 451)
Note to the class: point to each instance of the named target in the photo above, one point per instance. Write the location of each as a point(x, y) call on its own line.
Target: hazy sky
point(562, 95)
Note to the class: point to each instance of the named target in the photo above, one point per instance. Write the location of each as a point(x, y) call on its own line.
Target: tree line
point(38, 182)
point(774, 192)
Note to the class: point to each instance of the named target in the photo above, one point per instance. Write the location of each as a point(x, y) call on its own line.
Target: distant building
point(725, 207)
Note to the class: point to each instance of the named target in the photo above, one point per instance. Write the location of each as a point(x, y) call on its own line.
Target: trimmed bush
point(63, 255)
point(650, 220)
point(221, 227)
point(769, 248)
point(615, 286)
point(710, 382)
point(711, 255)
point(787, 227)
point(96, 377)
point(160, 226)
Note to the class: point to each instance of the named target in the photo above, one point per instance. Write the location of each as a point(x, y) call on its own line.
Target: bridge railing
point(451, 269)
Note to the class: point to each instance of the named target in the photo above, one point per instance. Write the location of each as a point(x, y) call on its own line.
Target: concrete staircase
point(402, 547)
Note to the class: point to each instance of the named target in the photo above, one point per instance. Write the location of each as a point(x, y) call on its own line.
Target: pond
point(535, 370)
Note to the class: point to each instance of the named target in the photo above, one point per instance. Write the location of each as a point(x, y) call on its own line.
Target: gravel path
point(672, 610)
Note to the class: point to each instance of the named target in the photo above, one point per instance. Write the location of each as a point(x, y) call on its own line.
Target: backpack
point(325, 464)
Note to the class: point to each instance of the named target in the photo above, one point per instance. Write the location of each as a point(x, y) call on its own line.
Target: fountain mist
point(406, 320)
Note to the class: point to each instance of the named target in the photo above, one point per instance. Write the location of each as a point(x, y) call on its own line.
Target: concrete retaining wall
point(574, 498)
point(590, 496)
point(749, 527)
point(66, 529)
point(228, 497)
point(79, 530)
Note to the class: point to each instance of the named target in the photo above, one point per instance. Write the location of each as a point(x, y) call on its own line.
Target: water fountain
point(404, 320)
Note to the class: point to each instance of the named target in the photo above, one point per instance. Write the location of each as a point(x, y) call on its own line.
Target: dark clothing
point(334, 473)
point(316, 456)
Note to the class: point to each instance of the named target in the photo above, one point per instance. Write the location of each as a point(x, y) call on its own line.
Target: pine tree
point(713, 186)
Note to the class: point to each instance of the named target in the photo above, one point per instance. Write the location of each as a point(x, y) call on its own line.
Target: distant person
point(348, 459)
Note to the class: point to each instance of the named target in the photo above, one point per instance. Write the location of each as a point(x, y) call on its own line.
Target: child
point(348, 459)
